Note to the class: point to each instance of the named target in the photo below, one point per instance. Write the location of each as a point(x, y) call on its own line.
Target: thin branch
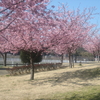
point(11, 6)
point(7, 25)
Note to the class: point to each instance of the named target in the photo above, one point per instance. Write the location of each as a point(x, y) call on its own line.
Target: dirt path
point(51, 82)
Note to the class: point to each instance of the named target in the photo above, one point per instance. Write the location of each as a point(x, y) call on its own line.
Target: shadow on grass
point(57, 79)
point(82, 74)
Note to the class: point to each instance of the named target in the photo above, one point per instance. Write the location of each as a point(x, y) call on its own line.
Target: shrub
point(25, 57)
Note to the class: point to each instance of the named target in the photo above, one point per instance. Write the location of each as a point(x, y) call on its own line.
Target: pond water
point(18, 61)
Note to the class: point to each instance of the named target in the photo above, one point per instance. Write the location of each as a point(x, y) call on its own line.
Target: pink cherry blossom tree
point(30, 27)
point(13, 10)
point(93, 45)
point(74, 29)
point(30, 33)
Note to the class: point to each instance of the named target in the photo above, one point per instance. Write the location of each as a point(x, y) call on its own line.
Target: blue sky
point(81, 4)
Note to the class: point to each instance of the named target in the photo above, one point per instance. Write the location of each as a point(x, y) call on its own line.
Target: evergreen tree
point(25, 57)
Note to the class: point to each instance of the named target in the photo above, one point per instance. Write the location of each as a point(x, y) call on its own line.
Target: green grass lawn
point(86, 93)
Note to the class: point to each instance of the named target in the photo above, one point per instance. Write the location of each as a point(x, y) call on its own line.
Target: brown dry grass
point(48, 83)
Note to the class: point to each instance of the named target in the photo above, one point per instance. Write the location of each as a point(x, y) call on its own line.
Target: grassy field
point(78, 83)
point(86, 93)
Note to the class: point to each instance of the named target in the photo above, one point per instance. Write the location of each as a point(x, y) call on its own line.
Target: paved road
point(3, 71)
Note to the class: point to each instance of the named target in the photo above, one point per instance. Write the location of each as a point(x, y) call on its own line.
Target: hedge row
point(38, 67)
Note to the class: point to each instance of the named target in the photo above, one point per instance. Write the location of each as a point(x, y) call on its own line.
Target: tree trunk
point(62, 56)
point(98, 58)
point(32, 72)
point(5, 59)
point(75, 59)
point(70, 61)
point(32, 67)
point(32, 60)
point(2, 55)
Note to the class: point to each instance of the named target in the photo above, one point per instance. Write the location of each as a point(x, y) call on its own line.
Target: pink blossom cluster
point(93, 45)
point(28, 25)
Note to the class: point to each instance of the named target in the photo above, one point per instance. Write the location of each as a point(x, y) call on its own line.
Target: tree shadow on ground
point(57, 79)
point(82, 74)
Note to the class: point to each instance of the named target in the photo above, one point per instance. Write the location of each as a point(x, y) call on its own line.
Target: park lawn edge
point(85, 93)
